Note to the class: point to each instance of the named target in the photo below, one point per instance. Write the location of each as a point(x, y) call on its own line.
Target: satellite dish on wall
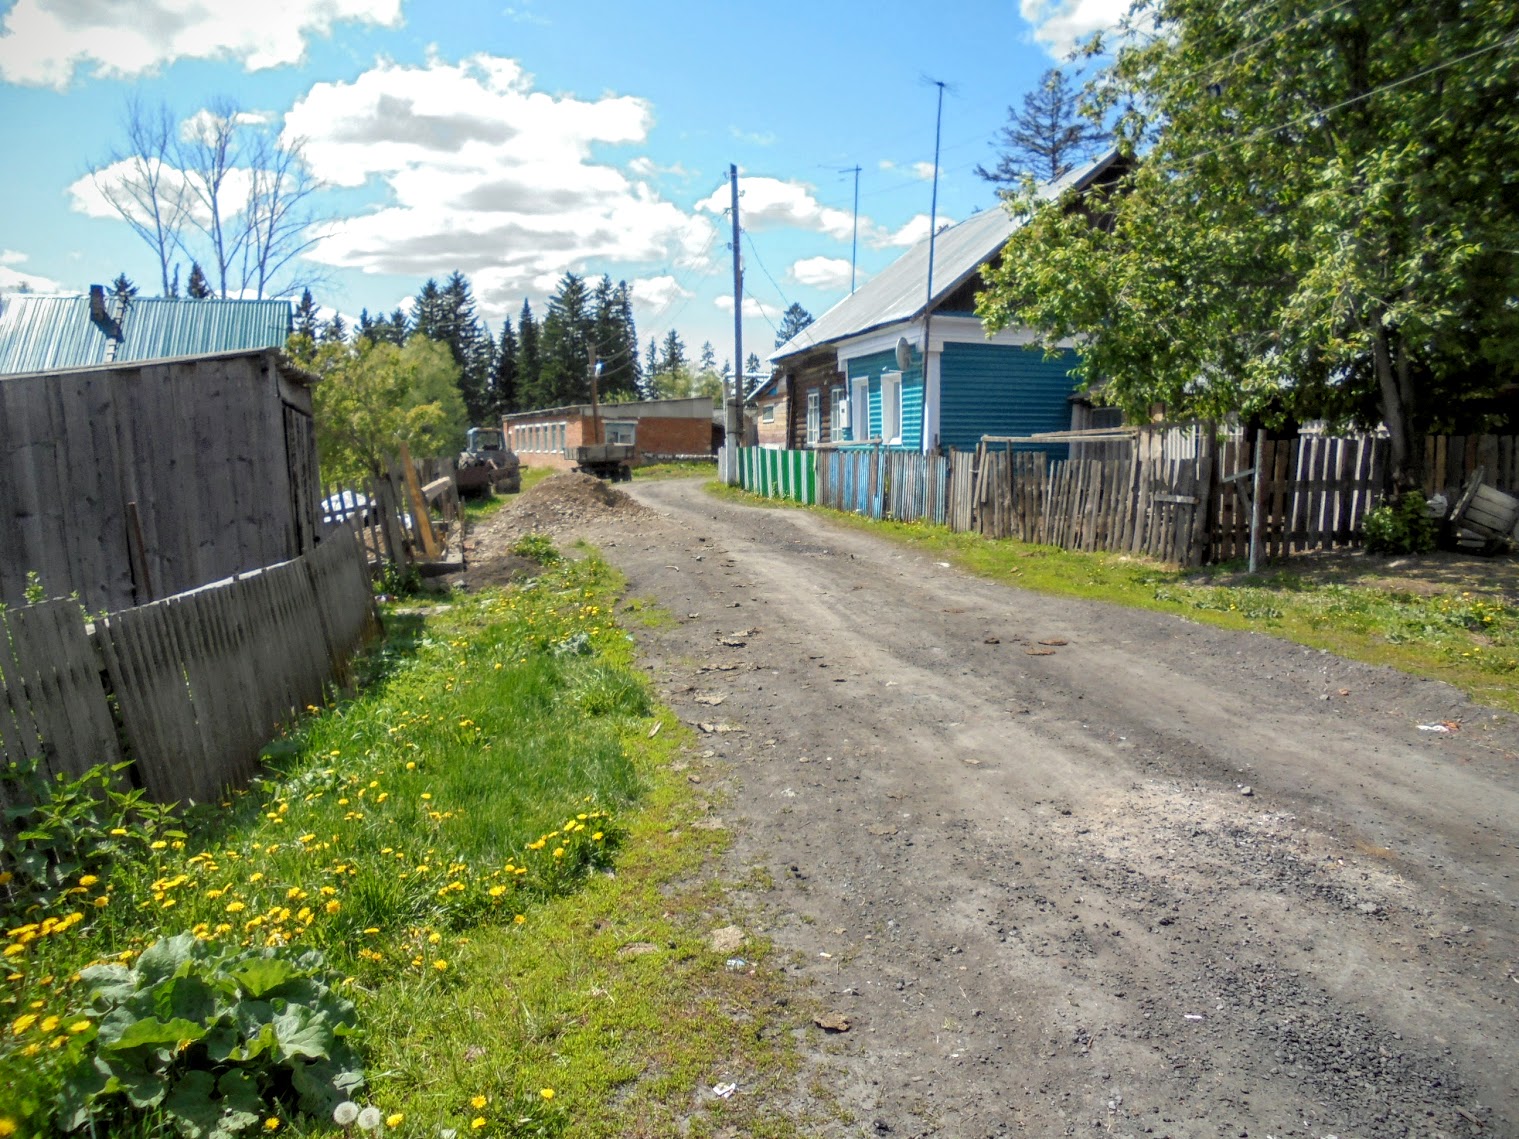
point(904, 354)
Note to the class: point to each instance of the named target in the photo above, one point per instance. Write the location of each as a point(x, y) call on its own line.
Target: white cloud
point(752, 307)
point(91, 194)
point(822, 272)
point(646, 167)
point(43, 42)
point(887, 164)
point(1059, 25)
point(12, 279)
point(756, 138)
point(658, 293)
point(911, 233)
point(770, 203)
point(487, 176)
point(924, 170)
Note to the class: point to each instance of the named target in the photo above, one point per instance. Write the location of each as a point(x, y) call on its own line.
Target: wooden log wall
point(201, 680)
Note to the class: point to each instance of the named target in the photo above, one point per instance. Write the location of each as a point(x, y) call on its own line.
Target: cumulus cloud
point(752, 307)
point(1059, 25)
point(770, 203)
point(489, 176)
point(657, 293)
point(924, 170)
point(43, 43)
point(911, 233)
point(13, 278)
point(822, 272)
point(123, 182)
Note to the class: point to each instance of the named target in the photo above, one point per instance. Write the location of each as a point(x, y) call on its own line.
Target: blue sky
point(519, 139)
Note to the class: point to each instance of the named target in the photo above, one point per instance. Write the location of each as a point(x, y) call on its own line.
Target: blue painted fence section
point(873, 481)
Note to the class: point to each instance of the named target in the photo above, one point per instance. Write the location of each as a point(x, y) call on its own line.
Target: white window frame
point(621, 431)
point(838, 413)
point(814, 416)
point(859, 410)
point(767, 413)
point(891, 402)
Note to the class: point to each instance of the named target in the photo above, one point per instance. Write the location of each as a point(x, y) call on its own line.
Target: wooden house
point(894, 366)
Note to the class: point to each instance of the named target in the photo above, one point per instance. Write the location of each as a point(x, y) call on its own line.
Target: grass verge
point(490, 847)
point(1465, 639)
point(682, 469)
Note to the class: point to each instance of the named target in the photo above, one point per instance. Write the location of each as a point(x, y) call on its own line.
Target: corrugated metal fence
point(1175, 493)
point(200, 681)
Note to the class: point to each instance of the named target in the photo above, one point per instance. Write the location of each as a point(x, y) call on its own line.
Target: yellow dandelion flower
point(333, 906)
point(395, 1120)
point(235, 907)
point(519, 919)
point(477, 1123)
point(22, 1023)
point(80, 1026)
point(477, 1102)
point(547, 1093)
point(102, 901)
point(85, 880)
point(272, 1123)
point(49, 1023)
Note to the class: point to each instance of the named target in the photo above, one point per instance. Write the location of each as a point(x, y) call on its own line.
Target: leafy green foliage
point(1400, 527)
point(66, 828)
point(1316, 228)
point(373, 396)
point(539, 547)
point(216, 1038)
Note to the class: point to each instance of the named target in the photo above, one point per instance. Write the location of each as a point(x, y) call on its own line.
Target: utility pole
point(734, 421)
point(595, 410)
point(933, 233)
point(854, 244)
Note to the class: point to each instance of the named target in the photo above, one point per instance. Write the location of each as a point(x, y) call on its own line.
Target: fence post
point(1258, 502)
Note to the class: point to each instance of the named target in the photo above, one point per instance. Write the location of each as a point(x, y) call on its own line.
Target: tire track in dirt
point(1035, 883)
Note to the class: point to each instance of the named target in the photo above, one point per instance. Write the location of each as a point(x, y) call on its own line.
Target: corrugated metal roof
point(897, 292)
point(47, 333)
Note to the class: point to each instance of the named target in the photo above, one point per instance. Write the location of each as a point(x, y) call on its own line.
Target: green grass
point(684, 469)
point(1467, 640)
point(474, 840)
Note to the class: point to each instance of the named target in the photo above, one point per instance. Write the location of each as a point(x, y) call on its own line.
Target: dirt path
point(1148, 878)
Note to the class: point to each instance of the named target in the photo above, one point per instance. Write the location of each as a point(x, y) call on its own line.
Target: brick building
point(659, 429)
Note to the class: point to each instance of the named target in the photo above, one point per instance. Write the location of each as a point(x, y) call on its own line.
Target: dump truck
point(487, 464)
point(613, 461)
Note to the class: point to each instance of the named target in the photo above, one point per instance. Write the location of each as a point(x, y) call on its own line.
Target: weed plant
point(476, 782)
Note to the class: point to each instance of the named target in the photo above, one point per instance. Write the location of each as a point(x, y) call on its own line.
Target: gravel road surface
point(1069, 869)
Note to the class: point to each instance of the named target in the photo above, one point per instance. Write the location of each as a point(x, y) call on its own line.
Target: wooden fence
point(126, 483)
point(1177, 493)
point(200, 681)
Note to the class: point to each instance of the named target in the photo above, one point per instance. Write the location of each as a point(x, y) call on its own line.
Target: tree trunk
point(1396, 389)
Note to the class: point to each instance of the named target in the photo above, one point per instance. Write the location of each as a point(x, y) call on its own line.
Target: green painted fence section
point(791, 475)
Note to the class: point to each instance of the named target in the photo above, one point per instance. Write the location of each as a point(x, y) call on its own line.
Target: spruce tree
point(1046, 137)
point(335, 331)
point(793, 320)
point(529, 361)
point(673, 356)
point(567, 332)
point(650, 368)
point(122, 287)
point(197, 288)
point(616, 339)
point(504, 381)
point(305, 322)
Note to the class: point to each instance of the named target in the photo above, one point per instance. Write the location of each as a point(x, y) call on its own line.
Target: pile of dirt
point(564, 506)
point(568, 498)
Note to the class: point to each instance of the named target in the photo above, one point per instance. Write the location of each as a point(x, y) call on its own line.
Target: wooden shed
point(123, 483)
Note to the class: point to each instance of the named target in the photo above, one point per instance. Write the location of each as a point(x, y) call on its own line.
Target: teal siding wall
point(871, 367)
point(995, 389)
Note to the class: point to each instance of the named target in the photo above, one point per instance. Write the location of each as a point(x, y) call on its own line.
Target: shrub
point(218, 1039)
point(1400, 527)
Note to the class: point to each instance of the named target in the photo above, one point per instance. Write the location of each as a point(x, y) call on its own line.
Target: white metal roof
point(897, 293)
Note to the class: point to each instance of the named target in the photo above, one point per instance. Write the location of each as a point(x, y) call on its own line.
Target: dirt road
point(1071, 869)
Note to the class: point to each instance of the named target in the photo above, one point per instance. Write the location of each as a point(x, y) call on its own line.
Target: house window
point(621, 431)
point(814, 417)
point(891, 407)
point(838, 414)
point(767, 413)
point(859, 411)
